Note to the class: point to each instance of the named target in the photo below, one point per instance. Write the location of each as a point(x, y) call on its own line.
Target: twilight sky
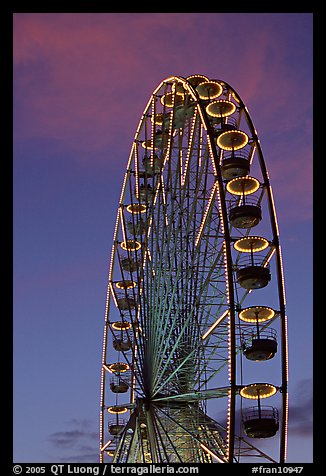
point(81, 82)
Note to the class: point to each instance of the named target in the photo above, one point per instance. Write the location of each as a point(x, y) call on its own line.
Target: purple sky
point(81, 82)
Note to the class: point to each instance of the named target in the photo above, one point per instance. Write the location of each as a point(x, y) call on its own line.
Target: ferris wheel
point(195, 334)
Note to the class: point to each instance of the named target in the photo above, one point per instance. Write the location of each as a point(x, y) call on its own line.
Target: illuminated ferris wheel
point(195, 336)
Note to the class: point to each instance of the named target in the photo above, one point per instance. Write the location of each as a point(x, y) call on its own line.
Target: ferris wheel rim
point(131, 247)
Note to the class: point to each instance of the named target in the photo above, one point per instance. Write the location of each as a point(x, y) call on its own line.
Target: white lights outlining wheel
point(196, 236)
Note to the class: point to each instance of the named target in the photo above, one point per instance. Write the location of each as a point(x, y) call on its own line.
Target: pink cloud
point(83, 80)
point(88, 75)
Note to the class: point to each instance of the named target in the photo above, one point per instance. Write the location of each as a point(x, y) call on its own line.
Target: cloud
point(81, 82)
point(69, 79)
point(301, 409)
point(84, 78)
point(66, 439)
point(85, 69)
point(79, 443)
point(81, 458)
